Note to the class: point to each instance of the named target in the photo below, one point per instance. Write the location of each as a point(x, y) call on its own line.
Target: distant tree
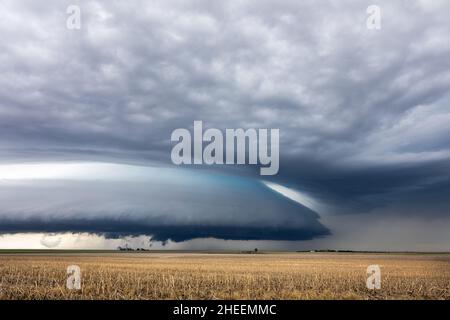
point(256, 250)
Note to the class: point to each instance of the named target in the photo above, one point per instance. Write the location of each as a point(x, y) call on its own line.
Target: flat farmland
point(180, 275)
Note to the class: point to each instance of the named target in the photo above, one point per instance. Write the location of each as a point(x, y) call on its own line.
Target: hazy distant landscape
point(190, 275)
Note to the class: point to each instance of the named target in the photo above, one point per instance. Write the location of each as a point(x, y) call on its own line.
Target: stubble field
point(224, 276)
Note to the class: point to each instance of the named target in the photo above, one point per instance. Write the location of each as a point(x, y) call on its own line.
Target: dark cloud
point(419, 189)
point(177, 233)
point(363, 114)
point(164, 203)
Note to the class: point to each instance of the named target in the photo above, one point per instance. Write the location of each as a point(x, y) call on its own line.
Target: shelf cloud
point(122, 200)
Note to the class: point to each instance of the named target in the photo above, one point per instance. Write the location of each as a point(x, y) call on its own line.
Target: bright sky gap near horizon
point(86, 118)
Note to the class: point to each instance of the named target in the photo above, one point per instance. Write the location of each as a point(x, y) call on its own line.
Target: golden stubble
point(224, 276)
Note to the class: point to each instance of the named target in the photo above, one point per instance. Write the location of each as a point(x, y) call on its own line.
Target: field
point(143, 275)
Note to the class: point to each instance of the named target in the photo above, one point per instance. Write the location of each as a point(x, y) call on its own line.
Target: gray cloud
point(363, 114)
point(50, 240)
point(194, 205)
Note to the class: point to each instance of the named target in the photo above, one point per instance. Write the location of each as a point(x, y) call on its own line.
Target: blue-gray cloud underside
point(176, 233)
point(208, 205)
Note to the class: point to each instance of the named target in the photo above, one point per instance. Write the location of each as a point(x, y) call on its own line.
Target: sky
point(86, 117)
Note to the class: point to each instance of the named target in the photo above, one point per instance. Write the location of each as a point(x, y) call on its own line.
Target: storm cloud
point(115, 203)
point(364, 115)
